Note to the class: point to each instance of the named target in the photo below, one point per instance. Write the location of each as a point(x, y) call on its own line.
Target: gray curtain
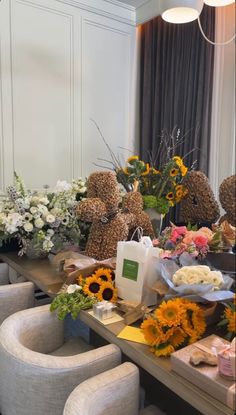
point(176, 86)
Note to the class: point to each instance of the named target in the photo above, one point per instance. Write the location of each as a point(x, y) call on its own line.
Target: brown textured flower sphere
point(110, 224)
point(200, 204)
point(227, 195)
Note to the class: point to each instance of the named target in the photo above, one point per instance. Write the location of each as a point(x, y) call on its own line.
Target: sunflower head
point(174, 172)
point(132, 159)
point(169, 313)
point(92, 286)
point(152, 331)
point(164, 349)
point(107, 292)
point(146, 171)
point(230, 315)
point(170, 196)
point(177, 338)
point(105, 274)
point(178, 160)
point(183, 170)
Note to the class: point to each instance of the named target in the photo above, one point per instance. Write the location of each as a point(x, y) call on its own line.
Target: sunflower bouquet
point(161, 187)
point(100, 285)
point(96, 287)
point(173, 325)
point(229, 319)
point(160, 179)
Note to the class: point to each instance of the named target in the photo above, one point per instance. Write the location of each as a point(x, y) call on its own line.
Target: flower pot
point(156, 220)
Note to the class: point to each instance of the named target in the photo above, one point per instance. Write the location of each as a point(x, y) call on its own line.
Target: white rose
point(72, 288)
point(50, 218)
point(82, 189)
point(62, 186)
point(33, 210)
point(43, 209)
point(44, 200)
point(28, 227)
point(39, 223)
point(35, 200)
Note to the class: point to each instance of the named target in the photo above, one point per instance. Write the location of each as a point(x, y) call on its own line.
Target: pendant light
point(180, 11)
point(218, 3)
point(184, 11)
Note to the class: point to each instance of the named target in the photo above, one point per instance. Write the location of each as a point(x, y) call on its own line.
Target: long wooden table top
point(40, 271)
point(159, 368)
point(49, 280)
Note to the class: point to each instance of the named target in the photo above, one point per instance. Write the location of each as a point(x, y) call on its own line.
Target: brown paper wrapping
point(85, 266)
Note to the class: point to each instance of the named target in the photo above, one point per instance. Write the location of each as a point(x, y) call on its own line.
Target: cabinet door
point(43, 56)
point(107, 89)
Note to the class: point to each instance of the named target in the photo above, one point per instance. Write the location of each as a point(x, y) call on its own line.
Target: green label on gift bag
point(130, 269)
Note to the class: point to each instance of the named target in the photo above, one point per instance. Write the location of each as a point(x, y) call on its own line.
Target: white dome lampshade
point(218, 3)
point(180, 11)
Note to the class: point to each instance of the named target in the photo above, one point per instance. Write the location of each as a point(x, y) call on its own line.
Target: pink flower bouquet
point(175, 240)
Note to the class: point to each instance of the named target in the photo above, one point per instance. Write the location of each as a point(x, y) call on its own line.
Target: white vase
point(156, 219)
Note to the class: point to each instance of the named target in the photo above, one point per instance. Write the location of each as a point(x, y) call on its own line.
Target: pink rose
point(200, 240)
point(177, 232)
point(188, 239)
point(206, 232)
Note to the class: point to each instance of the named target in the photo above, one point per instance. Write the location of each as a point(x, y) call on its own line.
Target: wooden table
point(159, 368)
point(40, 271)
point(45, 276)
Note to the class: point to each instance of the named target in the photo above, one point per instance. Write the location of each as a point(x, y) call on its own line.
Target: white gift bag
point(136, 272)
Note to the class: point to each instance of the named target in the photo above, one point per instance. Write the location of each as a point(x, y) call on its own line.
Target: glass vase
point(156, 220)
point(34, 251)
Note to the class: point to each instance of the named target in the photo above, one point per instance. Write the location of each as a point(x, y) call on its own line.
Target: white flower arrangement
point(46, 219)
point(198, 274)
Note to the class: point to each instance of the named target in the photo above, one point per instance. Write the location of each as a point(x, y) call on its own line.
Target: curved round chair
point(38, 369)
point(115, 392)
point(15, 297)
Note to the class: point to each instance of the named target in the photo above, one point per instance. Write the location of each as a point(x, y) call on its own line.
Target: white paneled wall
point(61, 66)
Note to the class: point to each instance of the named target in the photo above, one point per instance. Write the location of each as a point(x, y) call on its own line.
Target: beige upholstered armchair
point(115, 392)
point(38, 369)
point(15, 297)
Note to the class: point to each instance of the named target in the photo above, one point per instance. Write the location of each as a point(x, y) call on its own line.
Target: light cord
point(210, 41)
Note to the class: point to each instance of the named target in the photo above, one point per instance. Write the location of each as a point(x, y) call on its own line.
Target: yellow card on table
point(132, 334)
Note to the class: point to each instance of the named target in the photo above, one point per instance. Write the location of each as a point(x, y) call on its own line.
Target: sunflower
point(169, 313)
point(174, 172)
point(132, 158)
point(177, 338)
point(152, 331)
point(183, 170)
point(170, 196)
point(164, 349)
point(105, 274)
point(126, 171)
point(107, 292)
point(230, 315)
point(179, 193)
point(194, 323)
point(92, 286)
point(178, 160)
point(146, 171)
point(80, 280)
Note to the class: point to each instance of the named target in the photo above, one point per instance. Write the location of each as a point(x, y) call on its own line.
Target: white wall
point(60, 66)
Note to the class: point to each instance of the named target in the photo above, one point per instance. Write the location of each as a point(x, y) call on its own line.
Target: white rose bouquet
point(41, 220)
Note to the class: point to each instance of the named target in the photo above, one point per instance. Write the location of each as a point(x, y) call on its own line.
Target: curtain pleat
point(176, 86)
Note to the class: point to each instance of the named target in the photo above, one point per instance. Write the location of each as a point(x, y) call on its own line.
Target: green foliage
point(66, 303)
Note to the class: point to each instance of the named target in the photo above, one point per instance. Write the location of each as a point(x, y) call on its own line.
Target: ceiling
point(134, 3)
